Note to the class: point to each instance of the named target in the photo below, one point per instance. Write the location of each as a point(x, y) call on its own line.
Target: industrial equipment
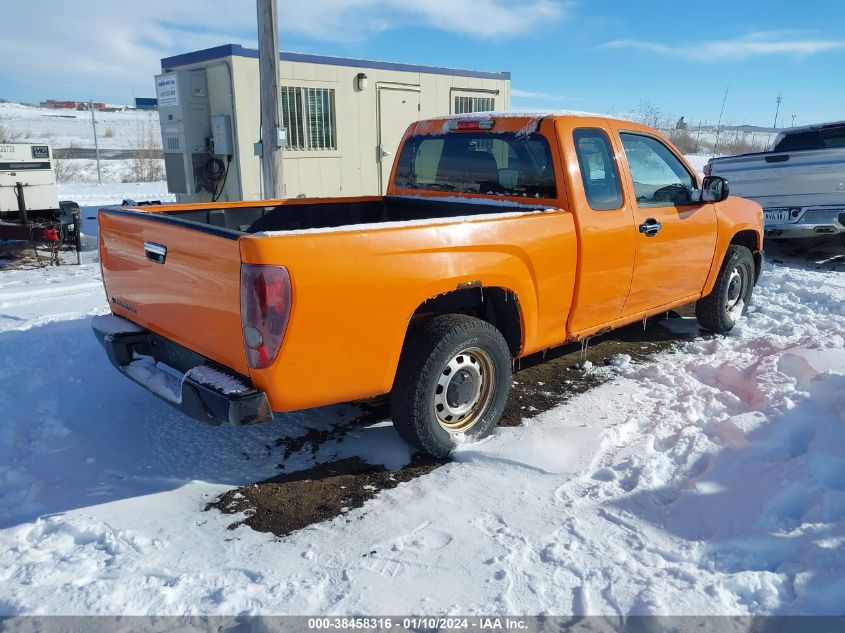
point(30, 209)
point(192, 140)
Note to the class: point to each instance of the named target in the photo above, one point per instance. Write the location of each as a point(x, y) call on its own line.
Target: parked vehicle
point(30, 210)
point(800, 183)
point(500, 238)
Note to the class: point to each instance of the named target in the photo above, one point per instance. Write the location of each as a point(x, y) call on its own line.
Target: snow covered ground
point(86, 195)
point(69, 128)
point(710, 480)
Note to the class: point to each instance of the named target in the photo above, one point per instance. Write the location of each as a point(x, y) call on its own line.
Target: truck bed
point(309, 215)
point(176, 271)
point(802, 178)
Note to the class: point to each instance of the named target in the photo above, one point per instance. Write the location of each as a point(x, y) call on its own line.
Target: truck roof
point(812, 126)
point(517, 120)
point(526, 114)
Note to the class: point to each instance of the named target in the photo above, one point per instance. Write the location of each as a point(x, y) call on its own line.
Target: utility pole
point(721, 112)
point(777, 109)
point(268, 79)
point(96, 142)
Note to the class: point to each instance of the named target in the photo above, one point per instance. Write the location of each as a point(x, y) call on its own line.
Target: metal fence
point(93, 145)
point(719, 141)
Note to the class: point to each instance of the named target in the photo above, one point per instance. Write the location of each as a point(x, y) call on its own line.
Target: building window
point(308, 114)
point(464, 105)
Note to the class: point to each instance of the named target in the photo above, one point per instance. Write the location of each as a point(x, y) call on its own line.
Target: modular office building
point(343, 119)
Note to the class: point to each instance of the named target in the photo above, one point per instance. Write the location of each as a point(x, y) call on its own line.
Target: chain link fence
point(714, 141)
point(101, 145)
point(713, 138)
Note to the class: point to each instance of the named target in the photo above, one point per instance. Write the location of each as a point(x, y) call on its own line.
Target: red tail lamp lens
point(471, 124)
point(265, 310)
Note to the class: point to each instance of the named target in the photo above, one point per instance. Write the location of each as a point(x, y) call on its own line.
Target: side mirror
point(714, 189)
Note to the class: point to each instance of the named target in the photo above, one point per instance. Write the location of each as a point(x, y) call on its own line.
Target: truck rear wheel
point(452, 383)
point(722, 308)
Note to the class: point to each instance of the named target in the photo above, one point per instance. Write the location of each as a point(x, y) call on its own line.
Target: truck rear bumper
point(812, 222)
point(186, 380)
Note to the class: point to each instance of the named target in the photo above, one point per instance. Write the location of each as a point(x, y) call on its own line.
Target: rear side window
point(598, 169)
point(823, 138)
point(478, 162)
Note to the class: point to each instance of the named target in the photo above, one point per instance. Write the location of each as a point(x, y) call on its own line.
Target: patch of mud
point(16, 255)
point(313, 439)
point(554, 382)
point(820, 253)
point(290, 502)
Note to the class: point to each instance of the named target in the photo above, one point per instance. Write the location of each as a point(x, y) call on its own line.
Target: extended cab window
point(478, 162)
point(598, 169)
point(660, 178)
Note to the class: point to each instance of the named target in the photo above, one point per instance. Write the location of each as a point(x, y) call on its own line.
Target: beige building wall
point(366, 121)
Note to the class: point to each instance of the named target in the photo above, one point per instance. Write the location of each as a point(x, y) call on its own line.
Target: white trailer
point(342, 119)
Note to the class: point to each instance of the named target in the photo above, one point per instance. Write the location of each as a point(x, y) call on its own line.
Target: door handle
point(384, 153)
point(155, 252)
point(650, 227)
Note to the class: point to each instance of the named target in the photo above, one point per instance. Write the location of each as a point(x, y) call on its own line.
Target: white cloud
point(107, 47)
point(483, 18)
point(797, 43)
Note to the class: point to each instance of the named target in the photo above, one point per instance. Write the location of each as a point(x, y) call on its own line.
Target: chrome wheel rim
point(736, 283)
point(464, 390)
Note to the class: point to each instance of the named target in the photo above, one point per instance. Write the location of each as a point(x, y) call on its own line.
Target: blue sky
point(564, 54)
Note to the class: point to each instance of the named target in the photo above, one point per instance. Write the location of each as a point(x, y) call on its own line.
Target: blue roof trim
point(227, 50)
point(236, 50)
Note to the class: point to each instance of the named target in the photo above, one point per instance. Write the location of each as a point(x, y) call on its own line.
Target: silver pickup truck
point(800, 183)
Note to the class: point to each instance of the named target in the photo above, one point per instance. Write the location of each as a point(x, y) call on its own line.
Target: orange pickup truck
point(500, 238)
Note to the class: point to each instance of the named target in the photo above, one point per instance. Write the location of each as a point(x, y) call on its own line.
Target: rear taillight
point(471, 124)
point(265, 309)
point(708, 169)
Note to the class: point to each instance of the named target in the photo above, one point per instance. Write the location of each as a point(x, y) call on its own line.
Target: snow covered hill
point(72, 128)
point(709, 480)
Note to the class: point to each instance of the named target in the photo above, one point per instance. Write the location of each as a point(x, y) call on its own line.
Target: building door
point(397, 109)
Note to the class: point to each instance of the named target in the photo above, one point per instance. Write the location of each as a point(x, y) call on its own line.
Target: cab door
point(604, 221)
point(675, 237)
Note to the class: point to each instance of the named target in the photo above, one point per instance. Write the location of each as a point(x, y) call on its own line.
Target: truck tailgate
point(806, 178)
point(178, 279)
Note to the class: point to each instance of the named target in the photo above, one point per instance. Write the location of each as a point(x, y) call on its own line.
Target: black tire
point(419, 395)
point(721, 309)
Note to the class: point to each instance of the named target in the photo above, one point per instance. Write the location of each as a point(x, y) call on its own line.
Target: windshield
point(504, 164)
